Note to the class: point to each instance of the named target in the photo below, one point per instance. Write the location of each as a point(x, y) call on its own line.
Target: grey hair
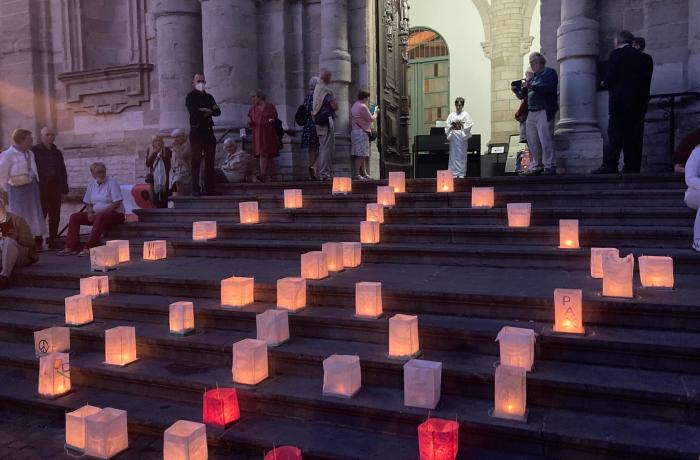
point(96, 165)
point(156, 136)
point(539, 56)
point(313, 82)
point(177, 132)
point(229, 141)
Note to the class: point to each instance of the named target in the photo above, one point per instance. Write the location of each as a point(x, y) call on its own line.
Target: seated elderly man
point(16, 244)
point(103, 201)
point(239, 164)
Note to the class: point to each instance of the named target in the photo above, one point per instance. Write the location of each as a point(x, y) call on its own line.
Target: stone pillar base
point(578, 153)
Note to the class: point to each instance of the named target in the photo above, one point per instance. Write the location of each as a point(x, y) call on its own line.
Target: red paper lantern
point(284, 453)
point(438, 439)
point(221, 407)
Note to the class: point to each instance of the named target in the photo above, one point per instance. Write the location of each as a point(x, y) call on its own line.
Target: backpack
point(302, 116)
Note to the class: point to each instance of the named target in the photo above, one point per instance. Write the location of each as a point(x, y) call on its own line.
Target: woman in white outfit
point(692, 195)
point(458, 131)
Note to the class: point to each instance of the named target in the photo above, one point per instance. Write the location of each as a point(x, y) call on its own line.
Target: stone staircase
point(630, 388)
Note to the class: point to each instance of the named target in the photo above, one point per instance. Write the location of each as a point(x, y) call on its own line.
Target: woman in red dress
point(266, 145)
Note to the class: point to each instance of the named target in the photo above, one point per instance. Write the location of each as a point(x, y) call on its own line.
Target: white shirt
point(692, 169)
point(16, 163)
point(467, 123)
point(101, 196)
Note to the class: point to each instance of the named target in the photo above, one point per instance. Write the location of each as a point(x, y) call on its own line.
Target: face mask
point(199, 86)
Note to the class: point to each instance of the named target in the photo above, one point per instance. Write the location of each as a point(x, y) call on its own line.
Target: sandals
point(67, 252)
point(84, 253)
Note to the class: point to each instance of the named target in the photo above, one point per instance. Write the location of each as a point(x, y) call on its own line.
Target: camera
point(517, 83)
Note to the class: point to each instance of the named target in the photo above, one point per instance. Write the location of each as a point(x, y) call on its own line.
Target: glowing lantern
point(203, 230)
point(273, 327)
point(237, 291)
point(397, 181)
point(656, 271)
point(94, 286)
point(284, 453)
point(568, 234)
point(51, 340)
point(421, 383)
point(403, 336)
point(54, 375)
point(78, 310)
point(185, 440)
point(314, 265)
point(352, 254)
point(75, 426)
point(154, 250)
point(120, 345)
point(292, 198)
point(445, 181)
point(375, 212)
point(334, 256)
point(519, 214)
point(106, 433)
point(386, 197)
point(249, 365)
point(510, 393)
point(597, 255)
point(221, 407)
point(342, 185)
point(369, 232)
point(568, 314)
point(438, 439)
point(482, 197)
point(122, 248)
point(368, 300)
point(181, 318)
point(248, 212)
point(104, 258)
point(291, 294)
point(341, 375)
point(517, 347)
point(617, 276)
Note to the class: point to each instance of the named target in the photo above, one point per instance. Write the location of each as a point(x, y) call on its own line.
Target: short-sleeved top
point(101, 196)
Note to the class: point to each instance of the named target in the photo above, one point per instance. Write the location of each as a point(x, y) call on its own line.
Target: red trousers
point(101, 221)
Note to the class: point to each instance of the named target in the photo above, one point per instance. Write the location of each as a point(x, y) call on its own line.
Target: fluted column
point(179, 57)
point(336, 57)
point(694, 45)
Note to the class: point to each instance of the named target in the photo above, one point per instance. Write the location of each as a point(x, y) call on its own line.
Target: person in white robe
point(458, 130)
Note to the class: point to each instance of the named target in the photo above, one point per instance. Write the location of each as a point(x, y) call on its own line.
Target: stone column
point(694, 45)
point(179, 57)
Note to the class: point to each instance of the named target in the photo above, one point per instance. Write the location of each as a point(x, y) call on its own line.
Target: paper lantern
point(154, 250)
point(369, 232)
point(51, 340)
point(341, 375)
point(482, 197)
point(94, 286)
point(397, 181)
point(438, 439)
point(568, 234)
point(120, 345)
point(375, 212)
point(445, 181)
point(421, 383)
point(272, 327)
point(519, 214)
point(386, 197)
point(104, 258)
point(249, 365)
point(656, 271)
point(291, 293)
point(221, 407)
point(368, 299)
point(403, 336)
point(122, 249)
point(292, 198)
point(568, 314)
point(75, 426)
point(185, 440)
point(517, 347)
point(203, 230)
point(334, 256)
point(617, 276)
point(510, 393)
point(106, 433)
point(352, 254)
point(314, 265)
point(248, 212)
point(54, 375)
point(342, 185)
point(284, 453)
point(237, 291)
point(597, 260)
point(78, 310)
point(181, 318)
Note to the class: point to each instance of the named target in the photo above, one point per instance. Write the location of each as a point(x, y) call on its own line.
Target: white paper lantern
point(106, 433)
point(597, 260)
point(421, 383)
point(568, 234)
point(375, 212)
point(78, 310)
point(181, 318)
point(122, 249)
point(237, 291)
point(341, 376)
point(397, 181)
point(291, 293)
point(617, 276)
point(368, 299)
point(483, 197)
point(519, 214)
point(94, 286)
point(249, 364)
point(342, 185)
point(292, 198)
point(51, 340)
point(352, 254)
point(403, 336)
point(656, 271)
point(334, 256)
point(154, 250)
point(120, 345)
point(273, 327)
point(104, 258)
point(517, 347)
point(75, 426)
point(385, 196)
point(54, 375)
point(445, 181)
point(314, 265)
point(185, 440)
point(248, 212)
point(568, 311)
point(204, 230)
point(510, 393)
point(369, 232)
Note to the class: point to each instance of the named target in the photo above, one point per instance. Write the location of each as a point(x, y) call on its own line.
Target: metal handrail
point(672, 114)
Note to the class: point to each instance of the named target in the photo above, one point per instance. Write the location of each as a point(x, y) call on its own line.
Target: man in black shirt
point(53, 180)
point(202, 107)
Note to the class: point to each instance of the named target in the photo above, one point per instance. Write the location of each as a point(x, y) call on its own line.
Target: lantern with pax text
point(122, 249)
point(368, 299)
point(445, 181)
point(291, 293)
point(369, 232)
point(221, 407)
point(51, 340)
point(341, 375)
point(54, 375)
point(237, 291)
point(438, 439)
point(510, 393)
point(617, 276)
point(78, 310)
point(482, 197)
point(248, 212)
point(597, 255)
point(204, 230)
point(656, 271)
point(517, 347)
point(421, 383)
point(75, 426)
point(568, 311)
point(185, 440)
point(154, 250)
point(397, 181)
point(249, 363)
point(106, 433)
point(94, 286)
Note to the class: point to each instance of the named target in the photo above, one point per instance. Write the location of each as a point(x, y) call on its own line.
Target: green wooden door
point(429, 85)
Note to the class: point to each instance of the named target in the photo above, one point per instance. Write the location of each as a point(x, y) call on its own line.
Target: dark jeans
point(626, 134)
point(51, 205)
point(203, 146)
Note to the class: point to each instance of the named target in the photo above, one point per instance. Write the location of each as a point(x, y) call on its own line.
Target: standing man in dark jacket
point(53, 180)
point(542, 107)
point(202, 107)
